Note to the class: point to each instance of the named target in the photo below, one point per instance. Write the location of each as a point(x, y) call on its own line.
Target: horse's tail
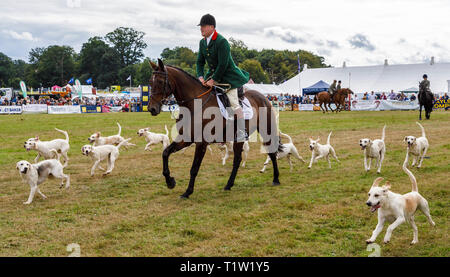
point(328, 140)
point(423, 130)
point(315, 99)
point(383, 133)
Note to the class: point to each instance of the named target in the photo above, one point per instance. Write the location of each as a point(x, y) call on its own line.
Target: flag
point(89, 81)
point(71, 81)
point(298, 61)
point(23, 87)
point(129, 78)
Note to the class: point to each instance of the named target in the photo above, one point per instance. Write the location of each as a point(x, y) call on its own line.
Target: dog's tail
point(411, 176)
point(328, 140)
point(423, 130)
point(123, 142)
point(120, 129)
point(286, 136)
point(383, 133)
point(65, 133)
point(167, 130)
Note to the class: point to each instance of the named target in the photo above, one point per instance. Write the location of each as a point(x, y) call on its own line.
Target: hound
point(417, 147)
point(319, 151)
point(375, 149)
point(227, 148)
point(396, 208)
point(98, 140)
point(36, 174)
point(287, 150)
point(154, 138)
point(103, 152)
point(44, 148)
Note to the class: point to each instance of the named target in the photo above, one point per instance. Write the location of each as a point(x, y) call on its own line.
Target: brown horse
point(339, 98)
point(187, 90)
point(323, 98)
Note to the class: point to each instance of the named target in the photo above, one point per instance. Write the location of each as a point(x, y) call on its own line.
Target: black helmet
point(425, 76)
point(207, 19)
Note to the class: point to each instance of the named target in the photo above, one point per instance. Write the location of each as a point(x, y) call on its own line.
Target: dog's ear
point(386, 187)
point(377, 181)
point(97, 134)
point(36, 138)
point(405, 139)
point(317, 140)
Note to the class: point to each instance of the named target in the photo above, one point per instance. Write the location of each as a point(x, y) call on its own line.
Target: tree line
point(109, 60)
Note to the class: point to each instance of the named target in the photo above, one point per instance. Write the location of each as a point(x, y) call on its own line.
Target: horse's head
point(160, 85)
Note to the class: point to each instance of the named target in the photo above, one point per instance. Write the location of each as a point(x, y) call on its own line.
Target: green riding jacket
point(222, 68)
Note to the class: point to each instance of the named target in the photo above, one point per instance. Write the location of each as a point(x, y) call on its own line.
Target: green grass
point(317, 212)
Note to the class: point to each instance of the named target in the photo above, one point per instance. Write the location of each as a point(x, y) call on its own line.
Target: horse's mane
point(186, 73)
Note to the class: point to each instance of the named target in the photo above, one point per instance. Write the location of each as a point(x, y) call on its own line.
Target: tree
point(254, 68)
point(129, 44)
point(5, 69)
point(97, 58)
point(55, 65)
point(144, 72)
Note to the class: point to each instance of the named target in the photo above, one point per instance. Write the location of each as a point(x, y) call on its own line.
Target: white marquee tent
point(378, 78)
point(265, 88)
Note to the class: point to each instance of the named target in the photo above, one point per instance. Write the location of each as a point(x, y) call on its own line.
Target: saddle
point(222, 95)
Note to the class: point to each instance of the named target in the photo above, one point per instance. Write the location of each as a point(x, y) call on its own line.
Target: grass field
point(131, 212)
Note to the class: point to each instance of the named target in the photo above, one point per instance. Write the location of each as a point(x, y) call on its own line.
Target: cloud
point(19, 36)
point(286, 35)
point(333, 44)
point(361, 41)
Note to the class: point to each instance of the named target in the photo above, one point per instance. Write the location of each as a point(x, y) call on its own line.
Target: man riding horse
point(332, 90)
point(425, 97)
point(214, 50)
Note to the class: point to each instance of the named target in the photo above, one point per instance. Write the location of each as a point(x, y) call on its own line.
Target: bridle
point(168, 89)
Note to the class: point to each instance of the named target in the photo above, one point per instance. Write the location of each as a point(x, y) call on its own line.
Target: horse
point(425, 100)
point(323, 98)
point(339, 98)
point(167, 80)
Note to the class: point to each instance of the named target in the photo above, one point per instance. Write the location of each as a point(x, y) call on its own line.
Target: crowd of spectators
point(126, 104)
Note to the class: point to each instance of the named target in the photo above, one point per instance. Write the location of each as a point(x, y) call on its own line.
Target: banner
point(306, 107)
point(63, 109)
point(23, 87)
point(78, 88)
point(10, 109)
point(383, 105)
point(34, 108)
point(442, 104)
point(91, 109)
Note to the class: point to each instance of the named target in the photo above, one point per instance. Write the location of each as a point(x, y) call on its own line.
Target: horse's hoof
point(171, 183)
point(184, 196)
point(275, 183)
point(226, 188)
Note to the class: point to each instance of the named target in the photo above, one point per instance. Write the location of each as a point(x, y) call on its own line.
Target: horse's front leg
point(200, 150)
point(172, 148)
point(420, 113)
point(237, 150)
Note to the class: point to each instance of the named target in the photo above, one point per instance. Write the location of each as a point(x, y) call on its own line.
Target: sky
point(359, 32)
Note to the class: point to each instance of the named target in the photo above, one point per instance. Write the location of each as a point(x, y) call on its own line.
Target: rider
point(214, 49)
point(425, 83)
point(332, 89)
point(338, 85)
